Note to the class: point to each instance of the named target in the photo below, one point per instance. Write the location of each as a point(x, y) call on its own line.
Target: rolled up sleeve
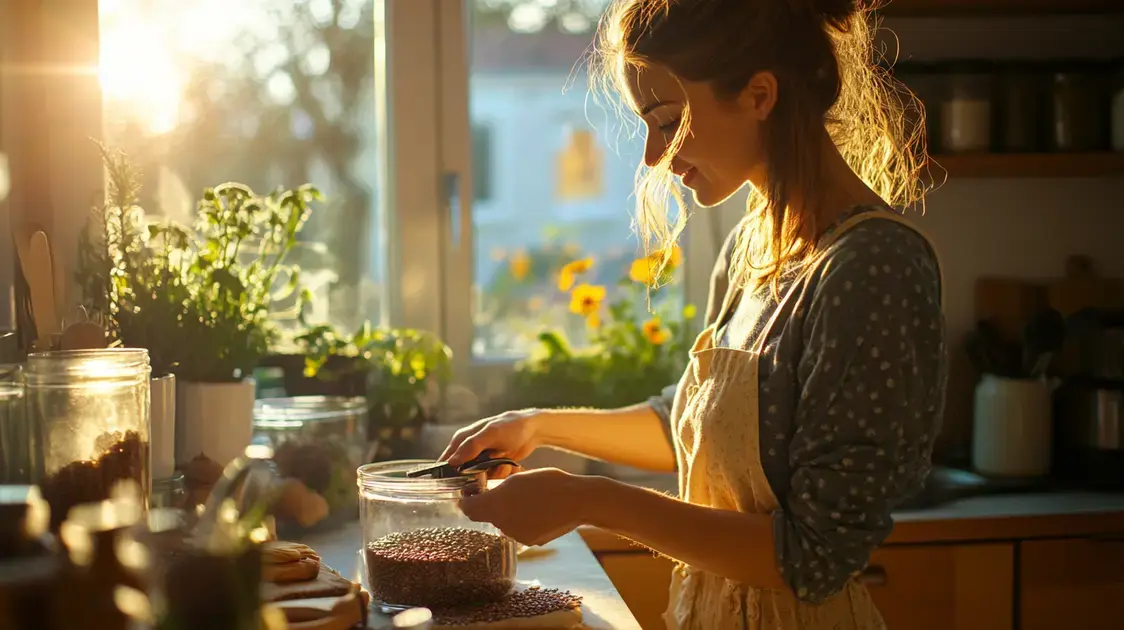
point(872, 378)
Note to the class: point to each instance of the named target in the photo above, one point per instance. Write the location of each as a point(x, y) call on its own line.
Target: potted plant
point(131, 293)
point(628, 355)
point(404, 372)
point(199, 300)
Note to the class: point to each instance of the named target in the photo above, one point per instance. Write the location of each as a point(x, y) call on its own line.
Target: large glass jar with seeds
point(419, 549)
point(88, 411)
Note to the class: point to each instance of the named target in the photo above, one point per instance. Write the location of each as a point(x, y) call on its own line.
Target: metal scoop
point(479, 464)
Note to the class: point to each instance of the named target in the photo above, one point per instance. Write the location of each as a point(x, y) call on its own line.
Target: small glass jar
point(1118, 107)
point(320, 440)
point(15, 434)
point(1022, 108)
point(1079, 108)
point(966, 108)
point(89, 414)
point(419, 549)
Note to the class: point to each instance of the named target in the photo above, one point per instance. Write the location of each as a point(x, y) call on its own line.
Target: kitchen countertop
point(565, 564)
point(991, 517)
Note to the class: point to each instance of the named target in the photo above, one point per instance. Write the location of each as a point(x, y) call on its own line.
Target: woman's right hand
point(510, 434)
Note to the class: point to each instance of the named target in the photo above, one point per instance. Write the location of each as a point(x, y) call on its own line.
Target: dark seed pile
point(123, 456)
point(440, 567)
point(531, 602)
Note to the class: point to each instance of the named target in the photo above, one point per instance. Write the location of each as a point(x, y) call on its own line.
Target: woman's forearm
point(632, 435)
point(728, 543)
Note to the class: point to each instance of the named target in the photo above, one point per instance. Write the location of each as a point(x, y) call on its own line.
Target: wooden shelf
point(1038, 165)
point(920, 8)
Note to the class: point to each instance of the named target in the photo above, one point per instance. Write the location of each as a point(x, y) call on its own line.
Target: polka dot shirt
point(852, 384)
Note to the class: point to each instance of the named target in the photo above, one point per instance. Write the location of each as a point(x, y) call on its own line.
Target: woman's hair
point(823, 55)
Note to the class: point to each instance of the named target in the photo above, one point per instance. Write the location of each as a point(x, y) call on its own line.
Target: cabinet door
point(1072, 583)
point(642, 579)
point(944, 587)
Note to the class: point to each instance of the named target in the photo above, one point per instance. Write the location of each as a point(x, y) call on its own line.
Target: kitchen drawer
point(944, 587)
point(643, 580)
point(1072, 583)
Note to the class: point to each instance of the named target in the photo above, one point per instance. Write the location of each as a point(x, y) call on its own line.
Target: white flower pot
point(162, 437)
point(214, 419)
point(435, 437)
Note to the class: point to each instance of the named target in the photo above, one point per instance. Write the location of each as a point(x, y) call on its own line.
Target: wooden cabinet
point(1072, 583)
point(932, 587)
point(944, 587)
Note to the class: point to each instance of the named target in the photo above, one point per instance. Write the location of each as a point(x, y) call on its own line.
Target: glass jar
point(1079, 108)
point(966, 108)
point(89, 414)
point(1118, 108)
point(1022, 108)
point(419, 549)
point(320, 440)
point(15, 435)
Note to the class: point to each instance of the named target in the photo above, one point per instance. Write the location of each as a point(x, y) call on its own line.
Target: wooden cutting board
point(1009, 302)
point(1082, 287)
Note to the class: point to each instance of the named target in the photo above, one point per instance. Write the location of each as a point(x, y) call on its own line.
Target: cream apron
point(715, 419)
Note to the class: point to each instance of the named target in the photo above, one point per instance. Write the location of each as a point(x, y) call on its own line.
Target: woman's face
point(722, 148)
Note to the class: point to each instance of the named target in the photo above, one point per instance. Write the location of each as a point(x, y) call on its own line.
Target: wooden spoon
point(34, 252)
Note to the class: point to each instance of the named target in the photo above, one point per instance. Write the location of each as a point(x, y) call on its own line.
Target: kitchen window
point(462, 160)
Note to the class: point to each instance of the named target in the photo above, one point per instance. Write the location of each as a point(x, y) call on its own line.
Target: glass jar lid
point(390, 479)
point(297, 411)
point(80, 368)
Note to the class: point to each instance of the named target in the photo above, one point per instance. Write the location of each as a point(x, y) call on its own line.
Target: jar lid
point(394, 475)
point(296, 411)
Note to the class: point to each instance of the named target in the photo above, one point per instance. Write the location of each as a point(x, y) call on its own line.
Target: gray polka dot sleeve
point(871, 385)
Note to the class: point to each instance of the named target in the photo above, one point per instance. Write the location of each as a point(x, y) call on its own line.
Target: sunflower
point(571, 271)
point(520, 265)
point(586, 299)
point(655, 332)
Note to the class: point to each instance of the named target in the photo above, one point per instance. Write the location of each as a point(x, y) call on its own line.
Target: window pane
point(557, 171)
point(269, 93)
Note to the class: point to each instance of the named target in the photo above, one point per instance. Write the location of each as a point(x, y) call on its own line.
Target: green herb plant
point(199, 300)
point(403, 366)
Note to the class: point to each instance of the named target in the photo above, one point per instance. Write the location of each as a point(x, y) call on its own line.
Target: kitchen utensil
point(481, 463)
point(1002, 357)
point(38, 270)
point(1043, 336)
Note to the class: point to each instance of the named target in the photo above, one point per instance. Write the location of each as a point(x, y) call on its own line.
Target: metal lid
point(297, 411)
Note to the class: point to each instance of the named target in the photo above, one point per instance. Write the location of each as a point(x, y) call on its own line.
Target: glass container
point(1080, 112)
point(966, 108)
point(419, 549)
point(1118, 107)
point(15, 435)
point(320, 440)
point(1023, 102)
point(89, 414)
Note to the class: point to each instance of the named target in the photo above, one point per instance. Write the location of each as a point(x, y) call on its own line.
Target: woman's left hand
point(533, 507)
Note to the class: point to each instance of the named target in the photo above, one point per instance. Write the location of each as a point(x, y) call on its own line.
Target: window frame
point(425, 191)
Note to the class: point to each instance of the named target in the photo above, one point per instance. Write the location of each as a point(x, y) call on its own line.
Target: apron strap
point(734, 296)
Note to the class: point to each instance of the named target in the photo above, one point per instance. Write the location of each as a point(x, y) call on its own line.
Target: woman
point(811, 402)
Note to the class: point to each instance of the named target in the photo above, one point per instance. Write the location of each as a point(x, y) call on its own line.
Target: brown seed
point(440, 567)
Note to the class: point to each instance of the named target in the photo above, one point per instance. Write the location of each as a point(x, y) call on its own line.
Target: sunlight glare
point(139, 75)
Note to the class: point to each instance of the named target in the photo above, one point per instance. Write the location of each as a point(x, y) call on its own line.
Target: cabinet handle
point(874, 575)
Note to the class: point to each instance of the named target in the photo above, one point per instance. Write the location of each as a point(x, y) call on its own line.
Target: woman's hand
point(510, 435)
point(533, 507)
